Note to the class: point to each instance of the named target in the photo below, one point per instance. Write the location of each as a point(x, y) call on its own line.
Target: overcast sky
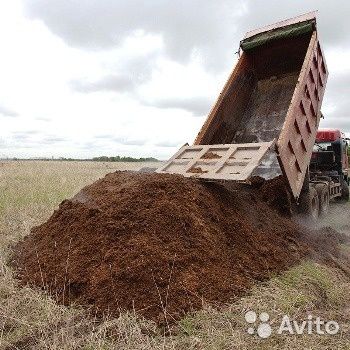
point(106, 77)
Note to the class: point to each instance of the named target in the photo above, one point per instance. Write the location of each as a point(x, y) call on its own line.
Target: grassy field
point(30, 191)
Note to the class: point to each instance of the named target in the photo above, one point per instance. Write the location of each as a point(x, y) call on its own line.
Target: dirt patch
point(159, 244)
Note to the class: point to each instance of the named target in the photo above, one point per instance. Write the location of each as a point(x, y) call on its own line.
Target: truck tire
point(323, 198)
point(344, 191)
point(309, 206)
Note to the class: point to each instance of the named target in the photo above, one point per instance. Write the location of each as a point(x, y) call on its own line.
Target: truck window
point(322, 146)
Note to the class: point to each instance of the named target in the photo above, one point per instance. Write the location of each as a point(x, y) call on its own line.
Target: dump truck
point(265, 120)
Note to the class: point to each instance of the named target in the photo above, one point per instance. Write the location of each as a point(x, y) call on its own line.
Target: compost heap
point(162, 244)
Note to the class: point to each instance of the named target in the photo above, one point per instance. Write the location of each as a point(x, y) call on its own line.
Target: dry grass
point(29, 191)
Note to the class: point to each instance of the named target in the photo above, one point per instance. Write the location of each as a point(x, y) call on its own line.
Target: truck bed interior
point(256, 101)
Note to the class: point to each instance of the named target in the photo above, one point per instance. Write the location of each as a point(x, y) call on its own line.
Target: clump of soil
point(277, 195)
point(197, 170)
point(158, 244)
point(210, 155)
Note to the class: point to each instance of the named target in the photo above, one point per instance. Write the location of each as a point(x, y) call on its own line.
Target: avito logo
point(313, 325)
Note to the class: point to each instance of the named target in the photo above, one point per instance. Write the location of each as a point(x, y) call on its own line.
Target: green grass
point(30, 191)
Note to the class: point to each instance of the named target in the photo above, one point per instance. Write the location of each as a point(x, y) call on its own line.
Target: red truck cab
point(329, 167)
point(334, 140)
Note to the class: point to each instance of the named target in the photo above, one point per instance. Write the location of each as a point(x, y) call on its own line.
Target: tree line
point(94, 159)
point(123, 159)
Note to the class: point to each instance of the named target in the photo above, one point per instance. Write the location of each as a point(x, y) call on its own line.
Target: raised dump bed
point(274, 96)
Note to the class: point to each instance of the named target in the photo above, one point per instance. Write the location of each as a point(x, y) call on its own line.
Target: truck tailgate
point(217, 162)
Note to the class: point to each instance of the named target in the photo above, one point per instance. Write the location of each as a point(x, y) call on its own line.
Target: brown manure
point(158, 244)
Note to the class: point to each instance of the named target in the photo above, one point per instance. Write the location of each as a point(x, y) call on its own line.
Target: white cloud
point(184, 25)
point(7, 112)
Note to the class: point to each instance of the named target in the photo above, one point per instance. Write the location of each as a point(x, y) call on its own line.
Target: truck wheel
point(323, 198)
point(309, 205)
point(344, 191)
